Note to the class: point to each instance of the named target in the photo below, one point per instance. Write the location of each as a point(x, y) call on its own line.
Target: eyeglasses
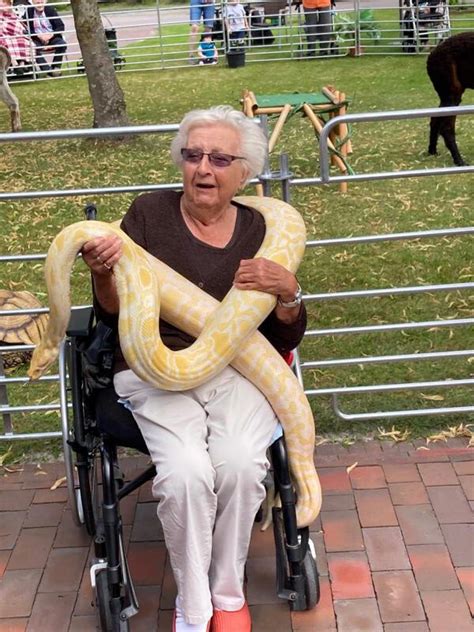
point(216, 158)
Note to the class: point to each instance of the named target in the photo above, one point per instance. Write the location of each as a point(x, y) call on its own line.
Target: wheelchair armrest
point(80, 323)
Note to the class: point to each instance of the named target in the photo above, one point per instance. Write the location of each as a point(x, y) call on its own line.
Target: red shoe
point(227, 621)
point(173, 628)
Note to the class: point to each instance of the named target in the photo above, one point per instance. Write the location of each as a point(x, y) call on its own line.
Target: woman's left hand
point(266, 276)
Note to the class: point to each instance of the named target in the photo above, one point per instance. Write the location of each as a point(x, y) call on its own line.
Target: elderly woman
point(208, 443)
point(13, 35)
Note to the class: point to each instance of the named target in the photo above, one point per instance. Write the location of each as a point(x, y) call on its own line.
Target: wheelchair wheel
point(311, 579)
point(102, 601)
point(87, 493)
point(109, 622)
point(307, 596)
point(282, 566)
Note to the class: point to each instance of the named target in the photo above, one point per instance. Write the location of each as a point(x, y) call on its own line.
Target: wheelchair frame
point(96, 487)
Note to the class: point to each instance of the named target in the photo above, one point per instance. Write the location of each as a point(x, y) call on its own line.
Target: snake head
point(43, 356)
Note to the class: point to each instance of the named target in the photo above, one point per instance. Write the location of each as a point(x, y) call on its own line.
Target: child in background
point(207, 51)
point(235, 20)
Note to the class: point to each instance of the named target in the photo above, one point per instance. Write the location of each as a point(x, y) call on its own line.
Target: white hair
point(253, 144)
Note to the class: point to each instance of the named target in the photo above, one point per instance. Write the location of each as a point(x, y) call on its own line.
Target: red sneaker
point(227, 621)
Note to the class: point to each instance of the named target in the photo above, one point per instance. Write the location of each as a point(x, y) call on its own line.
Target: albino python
point(226, 332)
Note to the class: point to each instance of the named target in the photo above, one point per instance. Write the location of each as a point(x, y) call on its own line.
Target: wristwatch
point(295, 302)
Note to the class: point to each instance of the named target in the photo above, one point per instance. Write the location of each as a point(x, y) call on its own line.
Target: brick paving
point(395, 546)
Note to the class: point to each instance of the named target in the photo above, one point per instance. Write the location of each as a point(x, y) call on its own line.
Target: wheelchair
point(95, 426)
point(422, 19)
point(112, 44)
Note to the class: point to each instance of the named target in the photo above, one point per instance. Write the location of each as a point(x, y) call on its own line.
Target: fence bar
point(385, 175)
point(416, 289)
point(137, 188)
point(33, 310)
point(26, 380)
point(433, 355)
point(10, 258)
point(392, 414)
point(31, 436)
point(126, 188)
point(89, 132)
point(386, 116)
point(28, 409)
point(368, 239)
point(383, 388)
point(369, 329)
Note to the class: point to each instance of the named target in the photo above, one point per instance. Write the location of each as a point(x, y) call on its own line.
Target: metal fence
point(159, 37)
point(269, 180)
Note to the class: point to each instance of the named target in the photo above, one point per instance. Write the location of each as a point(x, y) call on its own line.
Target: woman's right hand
point(101, 254)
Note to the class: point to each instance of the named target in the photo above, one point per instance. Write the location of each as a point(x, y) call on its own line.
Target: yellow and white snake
point(225, 332)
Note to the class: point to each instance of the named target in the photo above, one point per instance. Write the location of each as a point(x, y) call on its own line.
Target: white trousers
point(209, 448)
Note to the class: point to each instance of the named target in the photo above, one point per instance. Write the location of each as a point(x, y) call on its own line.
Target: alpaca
point(451, 69)
point(6, 95)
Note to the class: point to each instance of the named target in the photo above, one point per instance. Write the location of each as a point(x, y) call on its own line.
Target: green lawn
point(374, 84)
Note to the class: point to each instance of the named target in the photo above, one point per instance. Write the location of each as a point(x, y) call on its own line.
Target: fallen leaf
point(352, 467)
point(4, 456)
point(58, 483)
point(322, 441)
point(436, 437)
point(433, 398)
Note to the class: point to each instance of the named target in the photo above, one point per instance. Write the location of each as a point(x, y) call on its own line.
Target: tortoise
point(17, 329)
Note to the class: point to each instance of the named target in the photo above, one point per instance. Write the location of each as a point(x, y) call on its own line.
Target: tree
point(107, 97)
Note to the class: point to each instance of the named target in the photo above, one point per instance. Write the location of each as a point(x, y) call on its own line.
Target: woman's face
point(207, 187)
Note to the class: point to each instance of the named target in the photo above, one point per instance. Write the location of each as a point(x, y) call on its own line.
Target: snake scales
point(226, 332)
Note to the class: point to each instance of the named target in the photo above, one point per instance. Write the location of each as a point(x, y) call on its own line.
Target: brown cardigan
point(154, 221)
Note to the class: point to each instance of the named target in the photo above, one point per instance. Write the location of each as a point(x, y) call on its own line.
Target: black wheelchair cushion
point(116, 421)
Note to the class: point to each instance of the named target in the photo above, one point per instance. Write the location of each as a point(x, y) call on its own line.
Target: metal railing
point(159, 37)
point(284, 178)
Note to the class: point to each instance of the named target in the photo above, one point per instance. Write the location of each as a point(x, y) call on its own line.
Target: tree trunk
point(107, 96)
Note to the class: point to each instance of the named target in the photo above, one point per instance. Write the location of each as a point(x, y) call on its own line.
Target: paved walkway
point(395, 544)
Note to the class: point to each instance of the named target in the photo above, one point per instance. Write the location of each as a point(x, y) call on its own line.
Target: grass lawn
point(374, 84)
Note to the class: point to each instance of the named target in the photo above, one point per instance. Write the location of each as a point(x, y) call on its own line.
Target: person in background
point(318, 25)
point(236, 22)
point(46, 29)
point(204, 9)
point(207, 51)
point(13, 36)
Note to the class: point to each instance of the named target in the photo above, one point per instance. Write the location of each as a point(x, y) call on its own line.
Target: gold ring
point(106, 265)
point(99, 259)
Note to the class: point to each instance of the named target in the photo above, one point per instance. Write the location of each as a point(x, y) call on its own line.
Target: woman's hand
point(44, 37)
point(266, 276)
point(101, 254)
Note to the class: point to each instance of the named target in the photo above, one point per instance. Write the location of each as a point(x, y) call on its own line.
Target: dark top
point(154, 221)
point(50, 12)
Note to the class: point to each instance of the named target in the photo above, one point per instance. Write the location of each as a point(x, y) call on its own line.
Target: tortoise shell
point(20, 328)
